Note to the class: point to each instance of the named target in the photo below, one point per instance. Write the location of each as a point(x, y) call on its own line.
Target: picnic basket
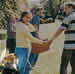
point(38, 48)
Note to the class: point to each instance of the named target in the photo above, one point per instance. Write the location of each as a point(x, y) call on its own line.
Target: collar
point(70, 13)
point(73, 11)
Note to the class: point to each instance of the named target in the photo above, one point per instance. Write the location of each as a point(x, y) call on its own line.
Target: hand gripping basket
point(38, 48)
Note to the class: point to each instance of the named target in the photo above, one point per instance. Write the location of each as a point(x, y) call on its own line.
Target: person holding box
point(68, 26)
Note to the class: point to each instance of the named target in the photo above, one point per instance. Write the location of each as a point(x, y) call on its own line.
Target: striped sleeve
point(65, 23)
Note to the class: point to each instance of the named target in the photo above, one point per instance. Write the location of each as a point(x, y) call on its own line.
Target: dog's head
point(11, 61)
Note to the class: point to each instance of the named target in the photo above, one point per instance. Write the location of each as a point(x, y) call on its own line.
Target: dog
point(10, 63)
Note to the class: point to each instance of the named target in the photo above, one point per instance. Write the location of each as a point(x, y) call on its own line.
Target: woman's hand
point(46, 43)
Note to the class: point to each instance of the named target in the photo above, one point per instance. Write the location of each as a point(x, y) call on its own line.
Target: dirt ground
point(48, 62)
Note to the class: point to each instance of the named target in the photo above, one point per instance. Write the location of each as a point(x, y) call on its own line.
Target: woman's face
point(27, 18)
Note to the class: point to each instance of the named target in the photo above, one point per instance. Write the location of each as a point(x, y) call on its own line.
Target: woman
point(23, 41)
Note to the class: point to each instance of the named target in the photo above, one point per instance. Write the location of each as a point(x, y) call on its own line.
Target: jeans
point(67, 56)
point(32, 58)
point(22, 54)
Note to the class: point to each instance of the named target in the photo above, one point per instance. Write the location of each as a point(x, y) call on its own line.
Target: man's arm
point(37, 35)
point(64, 26)
point(58, 32)
point(34, 22)
point(36, 31)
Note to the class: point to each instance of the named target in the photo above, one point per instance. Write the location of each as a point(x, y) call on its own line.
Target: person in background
point(24, 39)
point(36, 23)
point(68, 26)
point(11, 35)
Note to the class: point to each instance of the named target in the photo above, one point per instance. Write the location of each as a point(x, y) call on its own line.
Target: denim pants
point(32, 58)
point(22, 54)
point(67, 56)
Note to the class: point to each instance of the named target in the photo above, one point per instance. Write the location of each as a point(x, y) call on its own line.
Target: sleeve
point(27, 34)
point(8, 27)
point(32, 27)
point(65, 23)
point(13, 27)
point(34, 20)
